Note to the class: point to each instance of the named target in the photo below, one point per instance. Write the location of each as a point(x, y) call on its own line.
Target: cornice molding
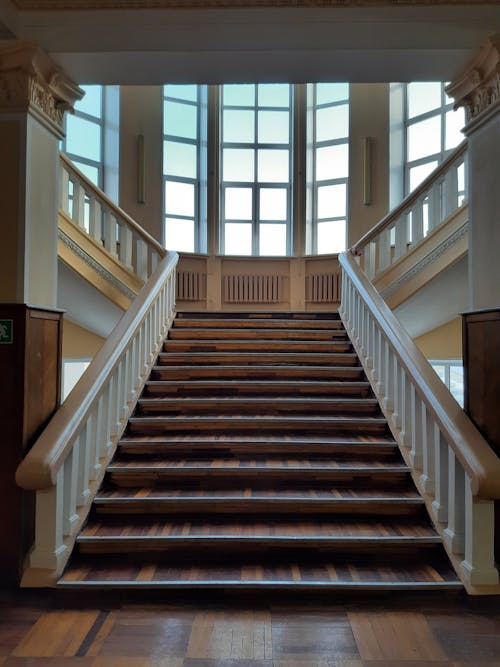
point(67, 5)
point(477, 89)
point(31, 82)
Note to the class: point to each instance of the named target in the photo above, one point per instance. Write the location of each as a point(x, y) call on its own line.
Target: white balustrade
point(66, 464)
point(453, 466)
point(423, 211)
point(106, 224)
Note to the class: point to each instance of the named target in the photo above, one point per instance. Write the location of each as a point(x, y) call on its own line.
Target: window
point(184, 166)
point(432, 129)
point(328, 129)
point(451, 372)
point(256, 151)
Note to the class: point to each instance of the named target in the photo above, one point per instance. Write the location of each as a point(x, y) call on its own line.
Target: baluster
point(416, 458)
point(142, 259)
point(109, 412)
point(110, 232)
point(428, 449)
point(70, 490)
point(401, 240)
point(78, 204)
point(153, 260)
point(396, 388)
point(417, 221)
point(406, 409)
point(64, 190)
point(115, 399)
point(454, 533)
point(95, 220)
point(384, 252)
point(127, 374)
point(389, 378)
point(380, 364)
point(126, 245)
point(440, 503)
point(450, 191)
point(138, 360)
point(435, 216)
point(83, 494)
point(370, 258)
point(97, 436)
point(49, 549)
point(479, 562)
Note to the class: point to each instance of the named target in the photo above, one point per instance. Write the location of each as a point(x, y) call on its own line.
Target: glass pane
point(332, 201)
point(461, 177)
point(182, 92)
point(83, 138)
point(331, 92)
point(91, 102)
point(238, 203)
point(331, 237)
point(423, 96)
point(240, 94)
point(92, 173)
point(238, 126)
point(179, 234)
point(332, 162)
point(440, 371)
point(238, 164)
point(180, 159)
point(418, 174)
point(332, 123)
point(179, 198)
point(274, 127)
point(273, 166)
point(424, 138)
point(272, 240)
point(272, 203)
point(180, 120)
point(238, 238)
point(455, 121)
point(457, 383)
point(274, 95)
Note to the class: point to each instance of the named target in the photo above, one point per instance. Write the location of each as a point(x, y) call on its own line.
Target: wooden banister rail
point(89, 208)
point(453, 465)
point(67, 462)
point(422, 211)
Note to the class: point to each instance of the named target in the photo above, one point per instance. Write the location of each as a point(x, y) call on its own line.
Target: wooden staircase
point(258, 458)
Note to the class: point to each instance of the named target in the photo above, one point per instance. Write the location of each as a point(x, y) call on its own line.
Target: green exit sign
point(6, 332)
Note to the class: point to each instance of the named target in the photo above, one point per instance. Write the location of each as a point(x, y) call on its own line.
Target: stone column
point(478, 90)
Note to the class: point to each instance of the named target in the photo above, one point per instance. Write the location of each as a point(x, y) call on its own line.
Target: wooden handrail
point(120, 213)
point(409, 200)
point(471, 449)
point(38, 470)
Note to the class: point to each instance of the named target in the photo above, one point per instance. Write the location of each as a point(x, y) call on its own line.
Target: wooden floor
point(448, 632)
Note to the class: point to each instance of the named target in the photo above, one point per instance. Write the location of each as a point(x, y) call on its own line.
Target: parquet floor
point(451, 632)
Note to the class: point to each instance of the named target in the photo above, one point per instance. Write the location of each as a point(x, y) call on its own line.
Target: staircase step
point(270, 346)
point(306, 574)
point(257, 323)
point(258, 315)
point(261, 406)
point(257, 358)
point(259, 423)
point(255, 388)
point(248, 334)
point(234, 371)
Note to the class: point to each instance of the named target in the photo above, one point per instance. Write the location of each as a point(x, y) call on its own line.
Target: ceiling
point(214, 41)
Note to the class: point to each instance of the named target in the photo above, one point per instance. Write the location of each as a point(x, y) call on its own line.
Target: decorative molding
point(31, 82)
point(95, 266)
point(426, 261)
point(64, 5)
point(478, 88)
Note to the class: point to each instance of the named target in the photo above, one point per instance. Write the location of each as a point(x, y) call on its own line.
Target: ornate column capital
point(31, 82)
point(478, 87)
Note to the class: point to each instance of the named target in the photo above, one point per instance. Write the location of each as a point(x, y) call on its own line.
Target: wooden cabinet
point(30, 362)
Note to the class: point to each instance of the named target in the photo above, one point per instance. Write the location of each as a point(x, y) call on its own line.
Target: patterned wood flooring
point(449, 632)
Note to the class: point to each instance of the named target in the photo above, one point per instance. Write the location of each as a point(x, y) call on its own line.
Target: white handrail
point(107, 224)
point(424, 210)
point(67, 462)
point(454, 466)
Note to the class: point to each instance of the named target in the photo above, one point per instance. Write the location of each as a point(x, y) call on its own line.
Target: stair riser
point(255, 346)
point(256, 359)
point(259, 334)
point(248, 408)
point(275, 373)
point(221, 389)
point(331, 325)
point(263, 426)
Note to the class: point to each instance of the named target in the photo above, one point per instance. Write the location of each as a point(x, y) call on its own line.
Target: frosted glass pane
point(332, 162)
point(238, 126)
point(423, 97)
point(182, 92)
point(331, 237)
point(91, 102)
point(83, 138)
point(424, 138)
point(332, 123)
point(274, 95)
point(238, 238)
point(418, 174)
point(331, 92)
point(240, 94)
point(238, 164)
point(179, 198)
point(272, 203)
point(274, 127)
point(238, 203)
point(180, 159)
point(273, 166)
point(180, 120)
point(92, 173)
point(455, 121)
point(272, 240)
point(179, 235)
point(332, 201)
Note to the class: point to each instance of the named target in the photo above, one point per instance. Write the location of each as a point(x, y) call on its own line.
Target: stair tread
point(247, 494)
point(223, 400)
point(284, 465)
point(200, 333)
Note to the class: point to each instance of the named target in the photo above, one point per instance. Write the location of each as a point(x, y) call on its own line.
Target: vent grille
point(191, 286)
point(252, 289)
point(324, 288)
